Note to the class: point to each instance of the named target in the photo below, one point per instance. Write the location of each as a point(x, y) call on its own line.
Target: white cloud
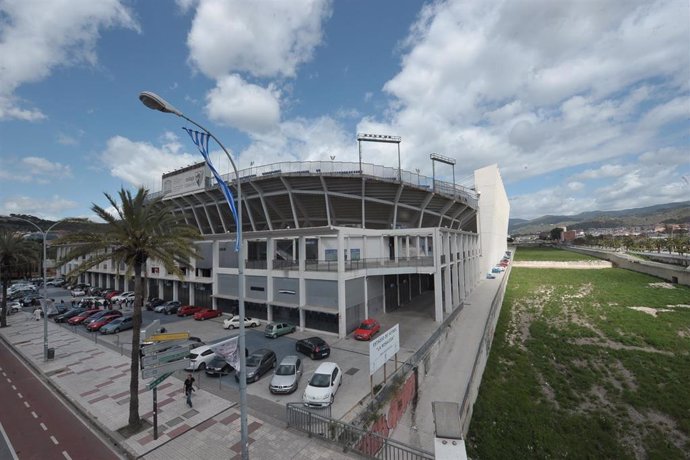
point(38, 36)
point(64, 139)
point(264, 39)
point(248, 107)
point(602, 172)
point(52, 208)
point(33, 170)
point(143, 164)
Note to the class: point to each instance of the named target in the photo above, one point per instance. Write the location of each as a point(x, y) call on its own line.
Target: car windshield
point(217, 362)
point(116, 321)
point(366, 326)
point(253, 361)
point(320, 380)
point(285, 369)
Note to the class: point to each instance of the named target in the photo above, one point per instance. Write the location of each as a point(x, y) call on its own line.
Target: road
point(37, 424)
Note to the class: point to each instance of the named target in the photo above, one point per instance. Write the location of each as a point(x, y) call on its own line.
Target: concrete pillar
point(438, 273)
point(454, 272)
point(302, 295)
point(215, 264)
point(176, 290)
point(366, 297)
point(270, 251)
point(342, 305)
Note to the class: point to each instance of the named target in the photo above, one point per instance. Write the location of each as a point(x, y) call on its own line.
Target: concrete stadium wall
point(663, 271)
point(494, 210)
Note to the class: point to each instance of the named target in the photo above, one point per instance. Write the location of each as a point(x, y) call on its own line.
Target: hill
point(669, 213)
point(71, 225)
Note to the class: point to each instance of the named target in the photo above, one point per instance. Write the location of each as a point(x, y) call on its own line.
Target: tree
point(556, 233)
point(16, 254)
point(142, 229)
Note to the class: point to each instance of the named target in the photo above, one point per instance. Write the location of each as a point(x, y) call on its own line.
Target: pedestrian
point(73, 303)
point(189, 388)
point(37, 314)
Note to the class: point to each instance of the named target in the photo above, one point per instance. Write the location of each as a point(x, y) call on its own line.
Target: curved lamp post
point(155, 102)
point(45, 288)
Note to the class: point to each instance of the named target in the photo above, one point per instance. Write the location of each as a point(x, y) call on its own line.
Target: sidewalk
point(451, 370)
point(95, 380)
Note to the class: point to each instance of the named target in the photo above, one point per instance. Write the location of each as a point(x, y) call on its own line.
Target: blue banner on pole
point(201, 141)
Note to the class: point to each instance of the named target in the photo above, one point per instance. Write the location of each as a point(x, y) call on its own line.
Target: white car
point(323, 385)
point(14, 307)
point(199, 358)
point(123, 297)
point(234, 322)
point(78, 292)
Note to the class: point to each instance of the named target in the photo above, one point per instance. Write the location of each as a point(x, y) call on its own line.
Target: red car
point(189, 310)
point(207, 313)
point(96, 325)
point(112, 294)
point(82, 316)
point(367, 329)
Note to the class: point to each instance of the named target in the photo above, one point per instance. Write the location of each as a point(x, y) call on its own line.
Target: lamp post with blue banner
point(155, 102)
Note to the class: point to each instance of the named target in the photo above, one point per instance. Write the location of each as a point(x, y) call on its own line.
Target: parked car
point(314, 347)
point(122, 296)
point(57, 309)
point(234, 322)
point(78, 319)
point(274, 330)
point(188, 310)
point(323, 385)
point(153, 303)
point(200, 357)
point(14, 307)
point(116, 325)
point(111, 294)
point(207, 313)
point(71, 313)
point(367, 329)
point(96, 325)
point(258, 363)
point(286, 376)
point(98, 316)
point(171, 307)
point(218, 366)
point(78, 292)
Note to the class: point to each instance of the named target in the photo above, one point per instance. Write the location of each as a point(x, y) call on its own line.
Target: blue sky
point(584, 105)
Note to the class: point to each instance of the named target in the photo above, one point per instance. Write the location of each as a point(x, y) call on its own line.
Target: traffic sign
point(150, 329)
point(167, 337)
point(157, 381)
point(157, 371)
point(159, 346)
point(166, 356)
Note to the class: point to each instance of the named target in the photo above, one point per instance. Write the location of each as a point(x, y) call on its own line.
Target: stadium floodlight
point(385, 138)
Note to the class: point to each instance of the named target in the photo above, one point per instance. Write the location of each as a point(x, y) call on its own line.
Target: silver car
point(286, 376)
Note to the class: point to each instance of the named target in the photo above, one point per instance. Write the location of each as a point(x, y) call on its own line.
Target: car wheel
point(117, 330)
point(201, 367)
point(312, 356)
point(232, 326)
point(332, 398)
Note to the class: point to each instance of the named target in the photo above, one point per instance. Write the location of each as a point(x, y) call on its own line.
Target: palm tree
point(142, 229)
point(15, 254)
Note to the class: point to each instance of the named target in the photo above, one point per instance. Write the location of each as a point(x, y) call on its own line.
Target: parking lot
point(352, 356)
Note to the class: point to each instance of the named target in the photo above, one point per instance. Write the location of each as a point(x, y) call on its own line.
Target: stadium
point(327, 244)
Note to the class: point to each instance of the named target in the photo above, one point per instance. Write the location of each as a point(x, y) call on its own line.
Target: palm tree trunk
point(134, 420)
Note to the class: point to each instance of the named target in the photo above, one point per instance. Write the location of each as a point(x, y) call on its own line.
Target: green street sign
point(165, 356)
point(154, 383)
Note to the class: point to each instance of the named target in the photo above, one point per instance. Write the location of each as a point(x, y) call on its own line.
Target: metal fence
point(350, 437)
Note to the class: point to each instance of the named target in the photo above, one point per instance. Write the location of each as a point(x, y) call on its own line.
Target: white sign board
point(186, 179)
point(157, 371)
point(383, 348)
point(229, 351)
point(147, 331)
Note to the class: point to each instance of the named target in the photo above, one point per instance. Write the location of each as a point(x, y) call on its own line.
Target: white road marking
point(27, 404)
point(66, 455)
point(20, 396)
point(33, 414)
point(52, 438)
point(45, 428)
point(14, 388)
point(9, 380)
point(8, 443)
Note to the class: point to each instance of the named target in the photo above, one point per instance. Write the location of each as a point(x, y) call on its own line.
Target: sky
point(584, 105)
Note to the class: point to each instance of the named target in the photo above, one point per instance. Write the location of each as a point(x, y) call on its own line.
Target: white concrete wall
point(494, 211)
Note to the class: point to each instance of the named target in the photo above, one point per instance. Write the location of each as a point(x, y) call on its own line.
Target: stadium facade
point(328, 244)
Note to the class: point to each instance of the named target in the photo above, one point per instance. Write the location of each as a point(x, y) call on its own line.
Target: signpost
point(381, 349)
point(169, 336)
point(153, 384)
point(148, 330)
point(157, 347)
point(165, 356)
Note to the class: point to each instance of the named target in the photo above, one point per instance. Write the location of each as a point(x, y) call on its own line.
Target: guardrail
point(350, 437)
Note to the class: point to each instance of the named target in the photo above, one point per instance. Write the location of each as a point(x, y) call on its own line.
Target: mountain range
point(669, 213)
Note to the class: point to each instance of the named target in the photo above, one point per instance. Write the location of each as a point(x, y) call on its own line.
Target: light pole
point(45, 288)
point(155, 102)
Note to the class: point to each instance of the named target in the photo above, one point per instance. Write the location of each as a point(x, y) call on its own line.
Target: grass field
point(581, 367)
point(548, 254)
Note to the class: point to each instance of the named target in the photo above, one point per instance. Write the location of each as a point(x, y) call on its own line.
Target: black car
point(58, 309)
point(314, 347)
point(153, 303)
point(258, 363)
point(218, 366)
point(71, 313)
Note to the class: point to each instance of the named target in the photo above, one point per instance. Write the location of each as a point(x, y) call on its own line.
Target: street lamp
point(45, 288)
point(155, 102)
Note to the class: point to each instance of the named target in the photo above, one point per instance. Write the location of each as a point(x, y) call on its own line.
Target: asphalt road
point(37, 424)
